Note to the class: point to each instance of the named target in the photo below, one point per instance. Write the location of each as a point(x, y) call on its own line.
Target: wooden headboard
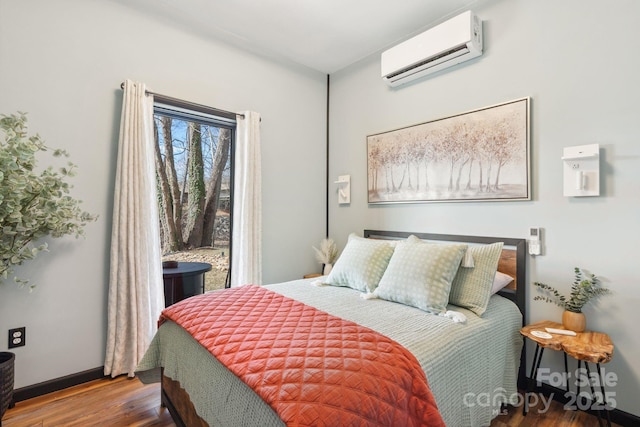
point(512, 261)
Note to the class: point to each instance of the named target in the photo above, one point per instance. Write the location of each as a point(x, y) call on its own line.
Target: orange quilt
point(311, 367)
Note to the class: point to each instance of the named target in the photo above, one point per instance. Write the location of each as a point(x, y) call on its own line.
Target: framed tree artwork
point(480, 155)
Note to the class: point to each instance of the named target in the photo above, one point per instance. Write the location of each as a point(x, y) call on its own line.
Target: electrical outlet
point(17, 337)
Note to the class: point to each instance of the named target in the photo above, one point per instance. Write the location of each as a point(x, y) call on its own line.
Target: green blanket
point(471, 367)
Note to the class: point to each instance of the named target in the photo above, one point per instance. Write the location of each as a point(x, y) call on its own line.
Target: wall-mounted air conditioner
point(452, 42)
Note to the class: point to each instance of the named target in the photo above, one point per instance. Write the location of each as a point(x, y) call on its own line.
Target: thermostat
point(535, 241)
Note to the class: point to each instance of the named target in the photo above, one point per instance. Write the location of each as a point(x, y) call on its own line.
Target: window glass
point(194, 170)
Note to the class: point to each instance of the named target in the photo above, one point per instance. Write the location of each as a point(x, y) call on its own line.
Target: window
point(194, 170)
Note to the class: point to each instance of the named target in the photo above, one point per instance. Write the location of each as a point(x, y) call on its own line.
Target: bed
point(472, 367)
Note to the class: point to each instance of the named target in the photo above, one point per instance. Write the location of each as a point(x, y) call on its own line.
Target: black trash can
point(7, 367)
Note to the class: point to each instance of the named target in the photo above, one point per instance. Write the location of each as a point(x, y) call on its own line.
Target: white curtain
point(136, 292)
point(246, 259)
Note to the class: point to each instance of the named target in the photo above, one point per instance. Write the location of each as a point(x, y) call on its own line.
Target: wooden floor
point(106, 402)
point(127, 402)
point(556, 416)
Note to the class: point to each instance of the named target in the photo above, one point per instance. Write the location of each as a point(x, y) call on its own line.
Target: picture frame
point(479, 155)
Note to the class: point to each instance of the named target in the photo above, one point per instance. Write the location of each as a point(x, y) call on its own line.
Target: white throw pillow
point(420, 274)
point(361, 264)
point(471, 288)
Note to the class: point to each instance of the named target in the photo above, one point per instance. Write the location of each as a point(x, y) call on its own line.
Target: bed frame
point(512, 262)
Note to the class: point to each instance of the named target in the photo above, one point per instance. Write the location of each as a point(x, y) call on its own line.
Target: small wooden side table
point(585, 347)
point(311, 275)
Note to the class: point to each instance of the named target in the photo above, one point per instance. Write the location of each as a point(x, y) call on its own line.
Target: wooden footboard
point(177, 401)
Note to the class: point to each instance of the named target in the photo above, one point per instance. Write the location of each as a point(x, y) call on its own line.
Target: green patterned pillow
point(361, 264)
point(420, 274)
point(471, 288)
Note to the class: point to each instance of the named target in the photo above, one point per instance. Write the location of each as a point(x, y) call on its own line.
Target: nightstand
point(586, 347)
point(311, 275)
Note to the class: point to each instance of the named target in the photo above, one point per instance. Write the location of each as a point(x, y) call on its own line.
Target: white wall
point(63, 62)
point(578, 62)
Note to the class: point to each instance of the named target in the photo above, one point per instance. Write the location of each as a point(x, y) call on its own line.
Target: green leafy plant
point(327, 253)
point(33, 204)
point(585, 287)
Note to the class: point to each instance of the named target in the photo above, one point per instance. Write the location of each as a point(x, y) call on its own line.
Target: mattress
point(471, 367)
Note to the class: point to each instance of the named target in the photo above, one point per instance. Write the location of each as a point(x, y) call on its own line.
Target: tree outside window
point(193, 172)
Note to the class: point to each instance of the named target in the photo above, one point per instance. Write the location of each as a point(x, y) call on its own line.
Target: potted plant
point(585, 288)
point(34, 202)
point(6, 381)
point(327, 254)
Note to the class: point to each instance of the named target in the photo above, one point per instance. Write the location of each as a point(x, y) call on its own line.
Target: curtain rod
point(192, 105)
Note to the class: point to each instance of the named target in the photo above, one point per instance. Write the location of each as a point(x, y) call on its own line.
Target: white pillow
point(420, 274)
point(467, 259)
point(361, 264)
point(500, 281)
